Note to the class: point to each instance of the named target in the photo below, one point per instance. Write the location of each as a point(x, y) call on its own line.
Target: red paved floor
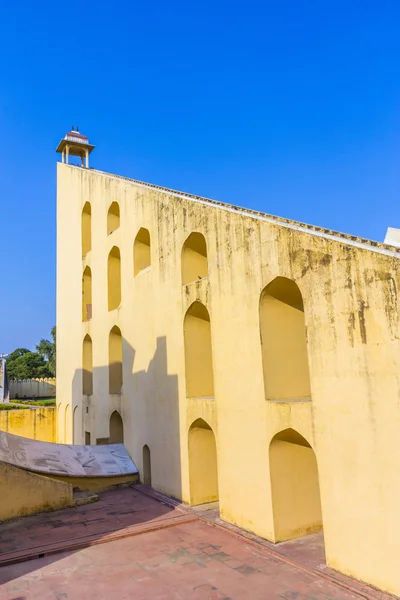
point(192, 560)
point(164, 558)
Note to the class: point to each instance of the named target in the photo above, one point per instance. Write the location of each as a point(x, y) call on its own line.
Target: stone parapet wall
point(29, 388)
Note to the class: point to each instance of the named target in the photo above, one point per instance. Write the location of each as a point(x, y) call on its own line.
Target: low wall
point(38, 388)
point(23, 493)
point(33, 423)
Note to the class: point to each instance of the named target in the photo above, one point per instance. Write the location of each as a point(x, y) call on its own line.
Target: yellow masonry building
point(240, 357)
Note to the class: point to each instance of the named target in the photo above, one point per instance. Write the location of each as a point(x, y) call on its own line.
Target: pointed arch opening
point(296, 501)
point(113, 218)
point(146, 465)
point(115, 360)
point(76, 426)
point(284, 341)
point(67, 425)
point(87, 294)
point(203, 467)
point(141, 251)
point(86, 229)
point(116, 428)
point(87, 366)
point(114, 278)
point(198, 352)
point(194, 258)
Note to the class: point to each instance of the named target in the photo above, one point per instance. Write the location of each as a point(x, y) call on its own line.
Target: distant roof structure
point(77, 142)
point(393, 237)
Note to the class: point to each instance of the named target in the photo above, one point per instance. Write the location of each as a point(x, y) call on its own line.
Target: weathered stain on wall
point(348, 409)
point(35, 423)
point(29, 388)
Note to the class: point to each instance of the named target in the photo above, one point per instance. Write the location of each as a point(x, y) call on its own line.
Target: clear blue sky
point(286, 106)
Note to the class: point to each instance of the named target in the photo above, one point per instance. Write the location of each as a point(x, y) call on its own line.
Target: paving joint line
point(238, 534)
point(93, 540)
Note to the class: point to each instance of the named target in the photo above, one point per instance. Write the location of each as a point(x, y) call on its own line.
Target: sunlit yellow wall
point(24, 493)
point(351, 319)
point(36, 424)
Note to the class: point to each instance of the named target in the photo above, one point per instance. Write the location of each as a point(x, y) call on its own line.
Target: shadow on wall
point(141, 409)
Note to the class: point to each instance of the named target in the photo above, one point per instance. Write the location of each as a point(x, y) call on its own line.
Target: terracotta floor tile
point(186, 561)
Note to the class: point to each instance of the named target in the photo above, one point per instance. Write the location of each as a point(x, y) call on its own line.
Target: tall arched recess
point(116, 428)
point(115, 360)
point(203, 467)
point(86, 229)
point(141, 251)
point(87, 366)
point(114, 278)
point(87, 294)
point(283, 340)
point(113, 218)
point(194, 258)
point(296, 502)
point(198, 352)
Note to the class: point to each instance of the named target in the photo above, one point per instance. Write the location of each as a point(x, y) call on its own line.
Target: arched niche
point(77, 426)
point(203, 467)
point(87, 366)
point(115, 360)
point(295, 490)
point(198, 352)
point(146, 465)
point(114, 278)
point(284, 342)
point(86, 227)
point(87, 294)
point(194, 258)
point(67, 425)
point(113, 218)
point(116, 428)
point(141, 251)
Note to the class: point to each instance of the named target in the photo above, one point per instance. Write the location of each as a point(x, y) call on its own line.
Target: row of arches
point(116, 427)
point(142, 240)
point(194, 259)
point(283, 345)
point(113, 223)
point(194, 253)
point(141, 261)
point(115, 380)
point(294, 478)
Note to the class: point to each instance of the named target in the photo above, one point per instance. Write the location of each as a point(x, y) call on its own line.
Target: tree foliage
point(24, 364)
point(47, 349)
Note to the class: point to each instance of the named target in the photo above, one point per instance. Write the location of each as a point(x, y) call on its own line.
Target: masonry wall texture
point(36, 423)
point(337, 312)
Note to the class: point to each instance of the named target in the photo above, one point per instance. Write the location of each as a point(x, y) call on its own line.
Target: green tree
point(23, 364)
point(47, 349)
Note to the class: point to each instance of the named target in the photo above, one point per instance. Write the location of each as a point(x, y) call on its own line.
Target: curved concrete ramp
point(62, 460)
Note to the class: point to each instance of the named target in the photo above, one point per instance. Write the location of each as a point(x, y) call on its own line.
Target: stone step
point(84, 497)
